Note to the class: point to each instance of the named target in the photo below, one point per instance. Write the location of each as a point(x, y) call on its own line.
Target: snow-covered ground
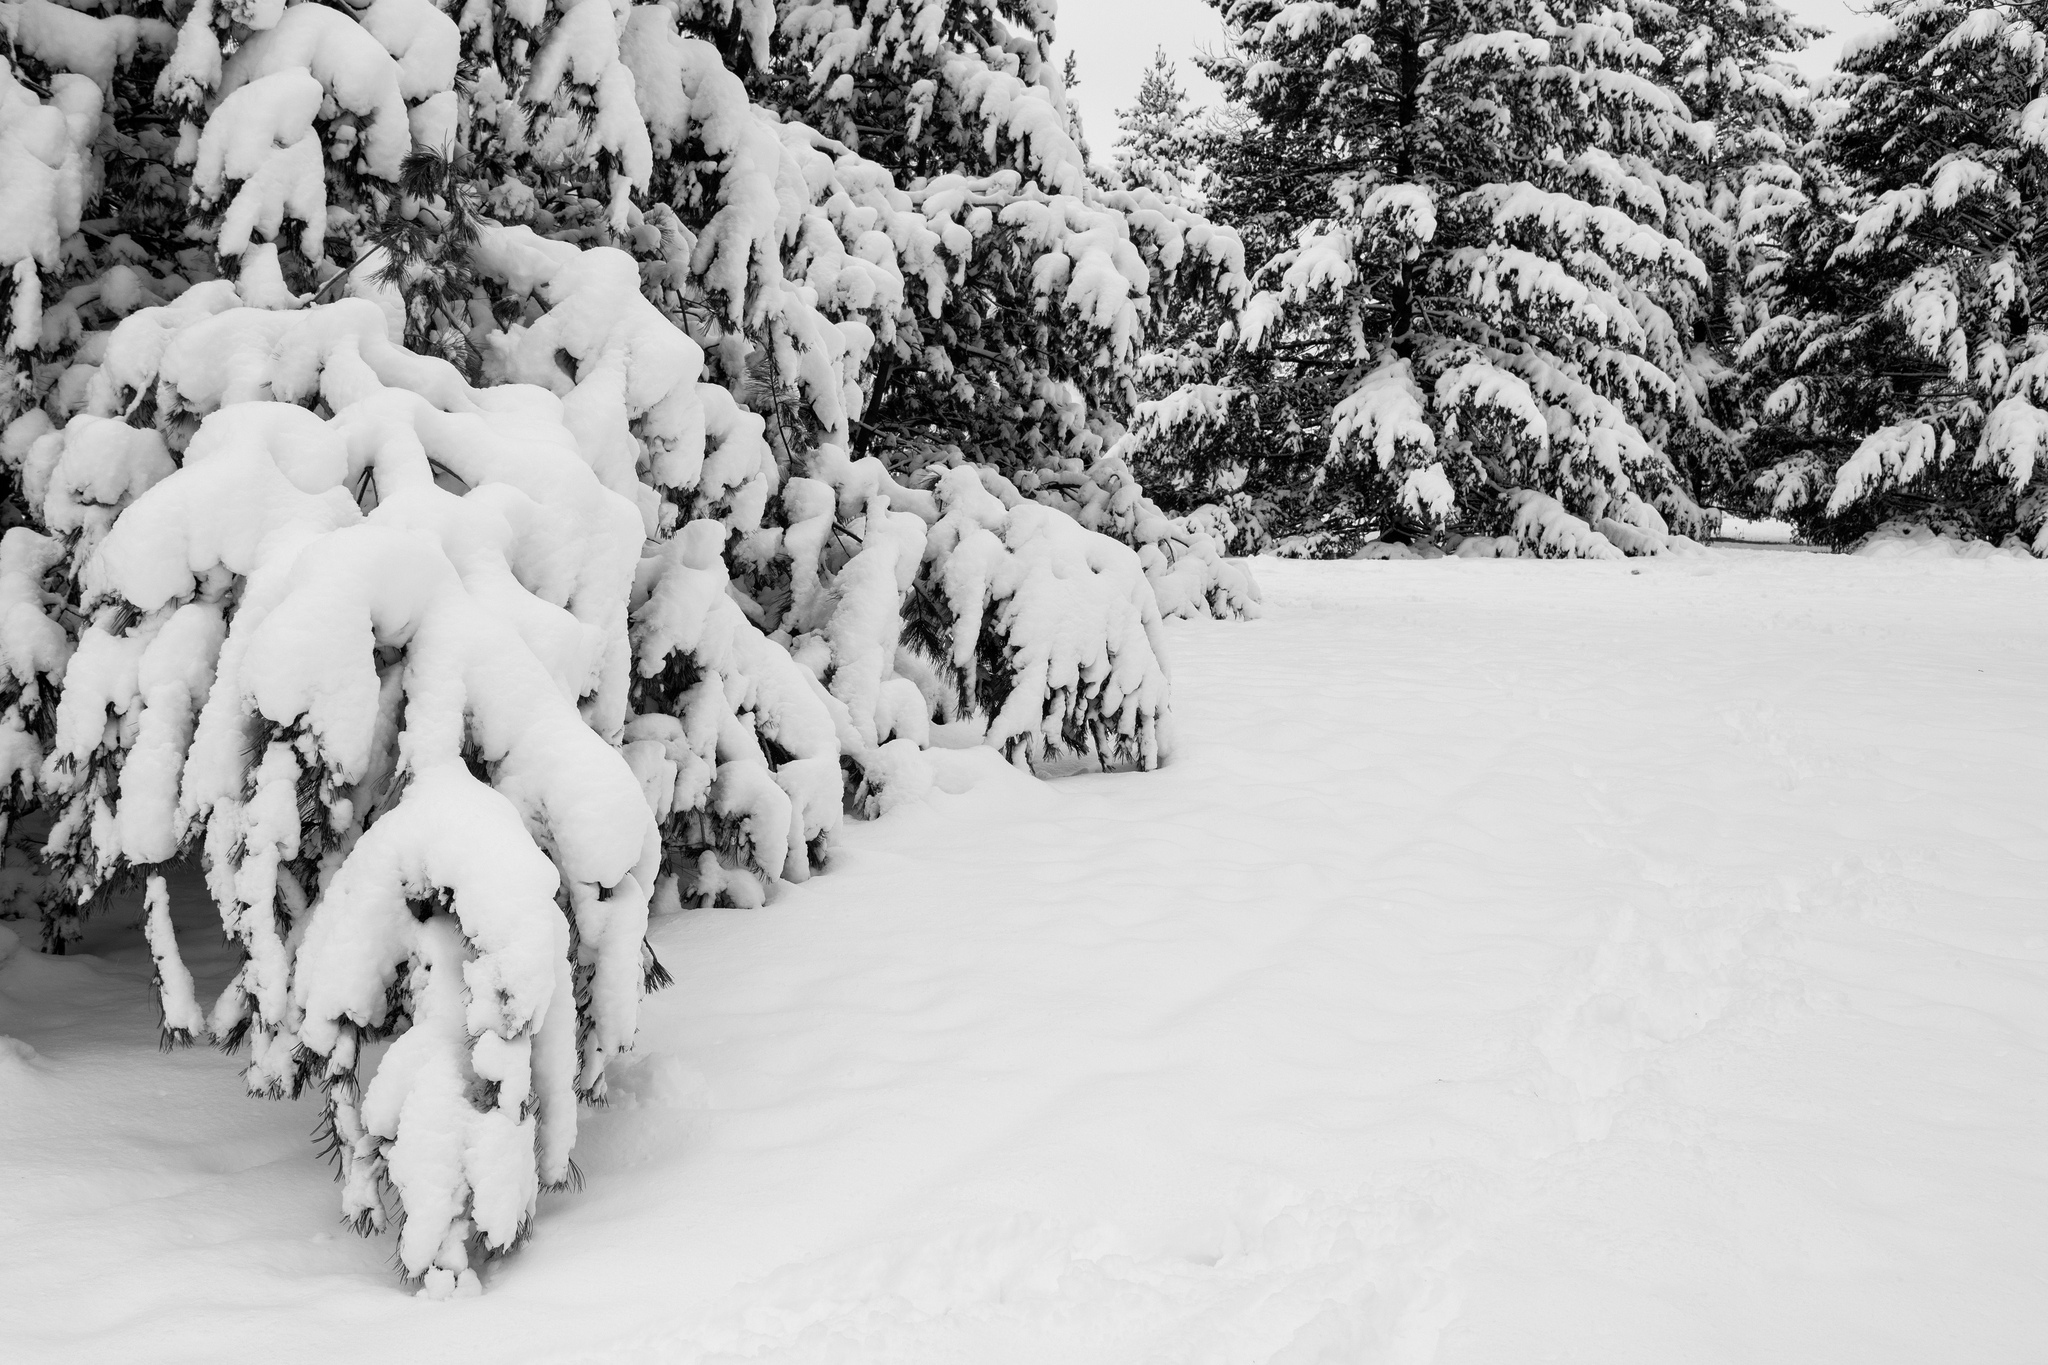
point(1520, 962)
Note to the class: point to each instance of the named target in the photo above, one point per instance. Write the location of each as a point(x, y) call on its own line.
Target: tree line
point(1573, 279)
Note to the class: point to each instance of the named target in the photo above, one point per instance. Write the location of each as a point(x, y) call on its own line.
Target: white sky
point(1114, 41)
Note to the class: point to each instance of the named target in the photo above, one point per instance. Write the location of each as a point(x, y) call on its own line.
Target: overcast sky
point(1114, 40)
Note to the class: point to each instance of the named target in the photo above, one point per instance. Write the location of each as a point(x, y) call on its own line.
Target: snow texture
point(1440, 1011)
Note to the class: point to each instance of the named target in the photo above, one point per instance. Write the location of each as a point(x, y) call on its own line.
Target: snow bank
point(1906, 540)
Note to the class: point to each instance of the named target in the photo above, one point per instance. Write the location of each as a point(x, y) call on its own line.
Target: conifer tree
point(449, 530)
point(1904, 373)
point(1731, 65)
point(1158, 149)
point(1153, 143)
point(1034, 357)
point(1483, 286)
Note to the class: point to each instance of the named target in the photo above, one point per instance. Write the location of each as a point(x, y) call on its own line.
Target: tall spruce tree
point(1731, 64)
point(1904, 374)
point(1159, 148)
point(1154, 140)
point(1487, 268)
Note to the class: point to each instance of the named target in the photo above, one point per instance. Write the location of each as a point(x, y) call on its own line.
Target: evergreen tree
point(1729, 63)
point(1030, 359)
point(1153, 143)
point(1070, 81)
point(1483, 284)
point(1158, 149)
point(450, 526)
point(1906, 370)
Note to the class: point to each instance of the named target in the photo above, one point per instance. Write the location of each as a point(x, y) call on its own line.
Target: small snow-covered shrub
point(1048, 633)
point(372, 664)
point(1182, 556)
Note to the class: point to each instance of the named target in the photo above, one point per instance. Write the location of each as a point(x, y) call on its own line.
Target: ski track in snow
point(1518, 962)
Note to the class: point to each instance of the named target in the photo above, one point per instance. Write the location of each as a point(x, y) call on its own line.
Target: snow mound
point(1398, 549)
point(1908, 540)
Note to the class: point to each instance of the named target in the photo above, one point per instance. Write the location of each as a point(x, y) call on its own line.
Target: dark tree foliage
point(1904, 372)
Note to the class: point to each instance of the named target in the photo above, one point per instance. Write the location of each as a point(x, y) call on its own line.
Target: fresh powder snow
point(1622, 961)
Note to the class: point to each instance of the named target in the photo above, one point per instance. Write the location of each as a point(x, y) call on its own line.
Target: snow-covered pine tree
point(1026, 357)
point(1070, 81)
point(1156, 152)
point(1906, 367)
point(34, 648)
point(1730, 63)
point(62, 73)
point(1154, 148)
point(801, 330)
point(66, 77)
point(1480, 297)
point(365, 651)
point(456, 587)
